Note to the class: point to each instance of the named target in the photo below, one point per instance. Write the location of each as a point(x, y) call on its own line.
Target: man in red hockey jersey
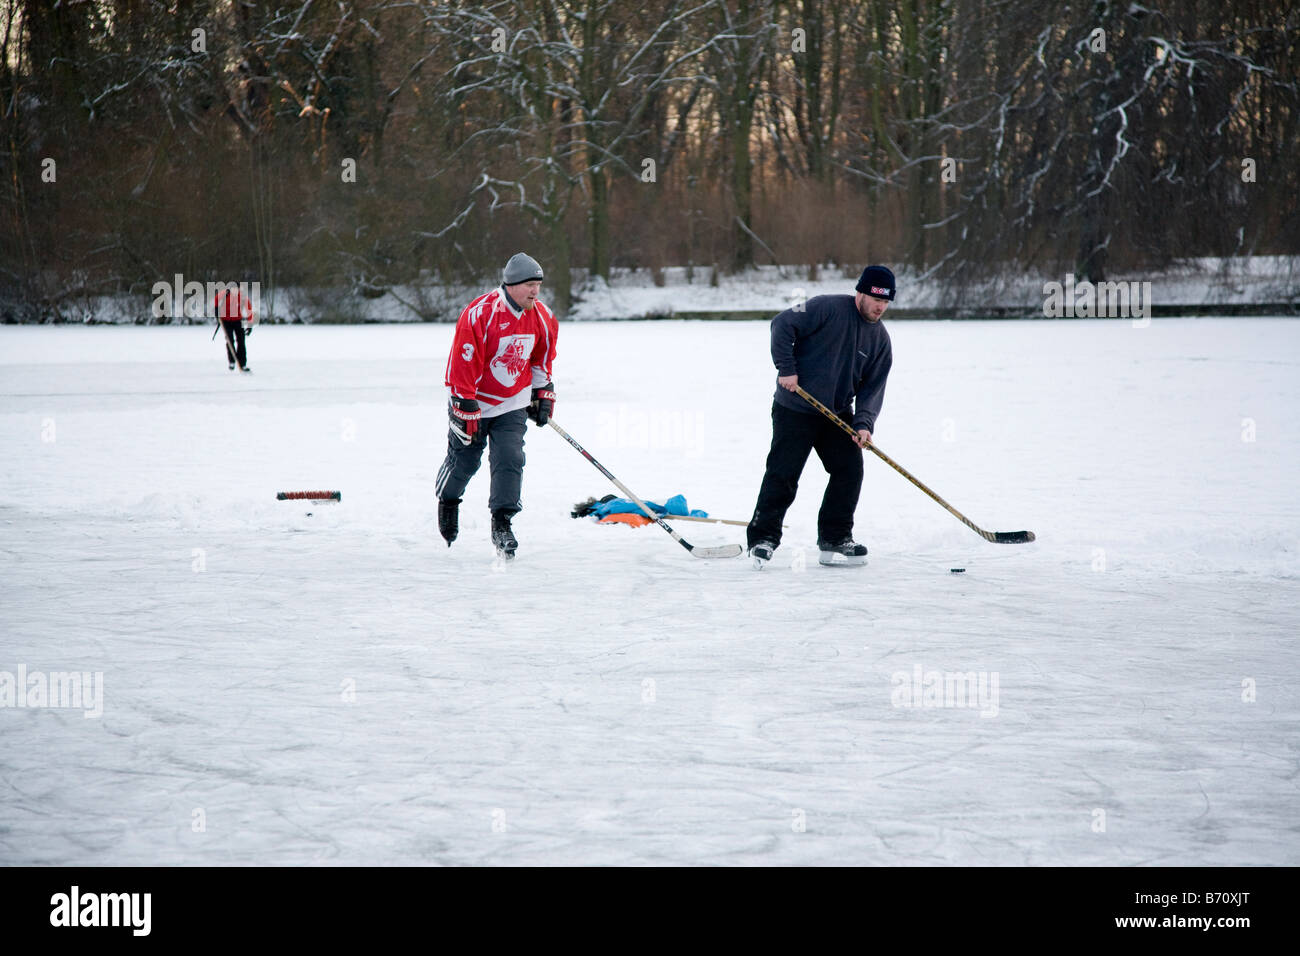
point(498, 376)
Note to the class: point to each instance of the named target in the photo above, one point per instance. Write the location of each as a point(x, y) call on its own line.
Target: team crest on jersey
point(512, 358)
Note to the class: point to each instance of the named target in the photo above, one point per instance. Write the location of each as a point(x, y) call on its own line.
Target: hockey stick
point(998, 537)
point(231, 357)
point(725, 551)
point(585, 509)
point(743, 524)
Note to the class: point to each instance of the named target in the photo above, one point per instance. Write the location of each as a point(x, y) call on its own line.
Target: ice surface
point(607, 698)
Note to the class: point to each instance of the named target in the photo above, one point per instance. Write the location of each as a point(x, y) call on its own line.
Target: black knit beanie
point(877, 281)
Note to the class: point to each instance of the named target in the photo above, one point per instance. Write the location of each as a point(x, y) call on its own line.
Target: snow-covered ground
point(344, 689)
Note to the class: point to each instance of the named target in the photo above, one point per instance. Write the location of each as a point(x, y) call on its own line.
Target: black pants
point(506, 460)
point(232, 330)
point(794, 434)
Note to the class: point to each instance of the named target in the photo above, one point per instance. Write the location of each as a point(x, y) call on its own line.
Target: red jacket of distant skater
point(500, 353)
point(232, 305)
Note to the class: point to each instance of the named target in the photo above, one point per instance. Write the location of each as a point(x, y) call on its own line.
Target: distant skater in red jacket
point(498, 376)
point(233, 309)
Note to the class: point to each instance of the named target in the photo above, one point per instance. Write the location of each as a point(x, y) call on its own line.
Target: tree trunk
point(559, 278)
point(742, 189)
point(598, 224)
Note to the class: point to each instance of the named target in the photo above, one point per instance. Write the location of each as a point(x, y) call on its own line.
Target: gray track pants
point(505, 460)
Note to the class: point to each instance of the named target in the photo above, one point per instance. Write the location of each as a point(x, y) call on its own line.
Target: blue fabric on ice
point(676, 505)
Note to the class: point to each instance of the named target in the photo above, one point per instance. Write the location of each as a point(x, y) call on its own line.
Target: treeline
point(365, 144)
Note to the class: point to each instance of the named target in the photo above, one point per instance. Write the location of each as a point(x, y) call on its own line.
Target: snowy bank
point(1246, 285)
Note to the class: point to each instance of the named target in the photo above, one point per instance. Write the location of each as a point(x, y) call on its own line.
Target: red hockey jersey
point(500, 354)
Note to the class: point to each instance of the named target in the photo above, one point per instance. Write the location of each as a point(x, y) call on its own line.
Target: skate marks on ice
point(345, 689)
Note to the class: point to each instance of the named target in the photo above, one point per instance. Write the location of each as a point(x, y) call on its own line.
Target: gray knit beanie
point(521, 268)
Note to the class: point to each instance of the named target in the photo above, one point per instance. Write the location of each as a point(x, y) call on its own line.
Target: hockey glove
point(463, 414)
point(543, 404)
point(584, 508)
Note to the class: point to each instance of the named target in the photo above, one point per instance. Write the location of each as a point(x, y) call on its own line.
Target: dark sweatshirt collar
point(511, 304)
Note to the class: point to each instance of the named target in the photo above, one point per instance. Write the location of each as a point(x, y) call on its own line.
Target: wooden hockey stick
point(743, 524)
point(998, 537)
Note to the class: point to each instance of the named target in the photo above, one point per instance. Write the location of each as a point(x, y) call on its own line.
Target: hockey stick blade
point(725, 551)
point(1013, 537)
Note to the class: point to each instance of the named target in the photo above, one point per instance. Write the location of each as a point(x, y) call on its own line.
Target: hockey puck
point(957, 570)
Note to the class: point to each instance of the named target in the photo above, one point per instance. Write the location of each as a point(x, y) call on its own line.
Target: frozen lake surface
point(344, 689)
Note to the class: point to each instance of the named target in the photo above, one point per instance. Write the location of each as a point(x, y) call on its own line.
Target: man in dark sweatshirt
point(836, 348)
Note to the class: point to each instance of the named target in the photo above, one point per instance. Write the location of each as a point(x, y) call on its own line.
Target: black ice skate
point(761, 553)
point(842, 553)
point(502, 536)
point(449, 519)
